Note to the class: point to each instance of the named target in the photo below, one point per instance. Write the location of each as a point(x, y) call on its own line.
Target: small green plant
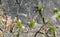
point(57, 13)
point(52, 29)
point(1, 6)
point(0, 20)
point(19, 24)
point(40, 7)
point(58, 16)
point(32, 23)
point(56, 10)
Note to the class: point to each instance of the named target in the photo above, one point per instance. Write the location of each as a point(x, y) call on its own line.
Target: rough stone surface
point(27, 8)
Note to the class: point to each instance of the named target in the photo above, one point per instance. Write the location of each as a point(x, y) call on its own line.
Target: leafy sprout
point(40, 7)
point(55, 10)
point(32, 23)
point(1, 6)
point(19, 24)
point(52, 29)
point(0, 20)
point(58, 16)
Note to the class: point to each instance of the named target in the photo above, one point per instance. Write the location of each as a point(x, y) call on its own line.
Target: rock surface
point(27, 8)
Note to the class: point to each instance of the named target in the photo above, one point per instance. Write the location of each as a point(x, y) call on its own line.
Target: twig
point(54, 34)
point(0, 2)
point(42, 21)
point(17, 2)
point(18, 35)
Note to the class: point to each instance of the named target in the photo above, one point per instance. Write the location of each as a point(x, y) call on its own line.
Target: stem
point(17, 2)
point(54, 34)
point(28, 32)
point(42, 21)
point(42, 17)
point(18, 35)
point(0, 2)
point(36, 33)
point(6, 19)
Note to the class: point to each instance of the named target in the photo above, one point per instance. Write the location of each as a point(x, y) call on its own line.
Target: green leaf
point(0, 20)
point(19, 24)
point(52, 29)
point(58, 16)
point(32, 23)
point(40, 7)
point(55, 10)
point(1, 6)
